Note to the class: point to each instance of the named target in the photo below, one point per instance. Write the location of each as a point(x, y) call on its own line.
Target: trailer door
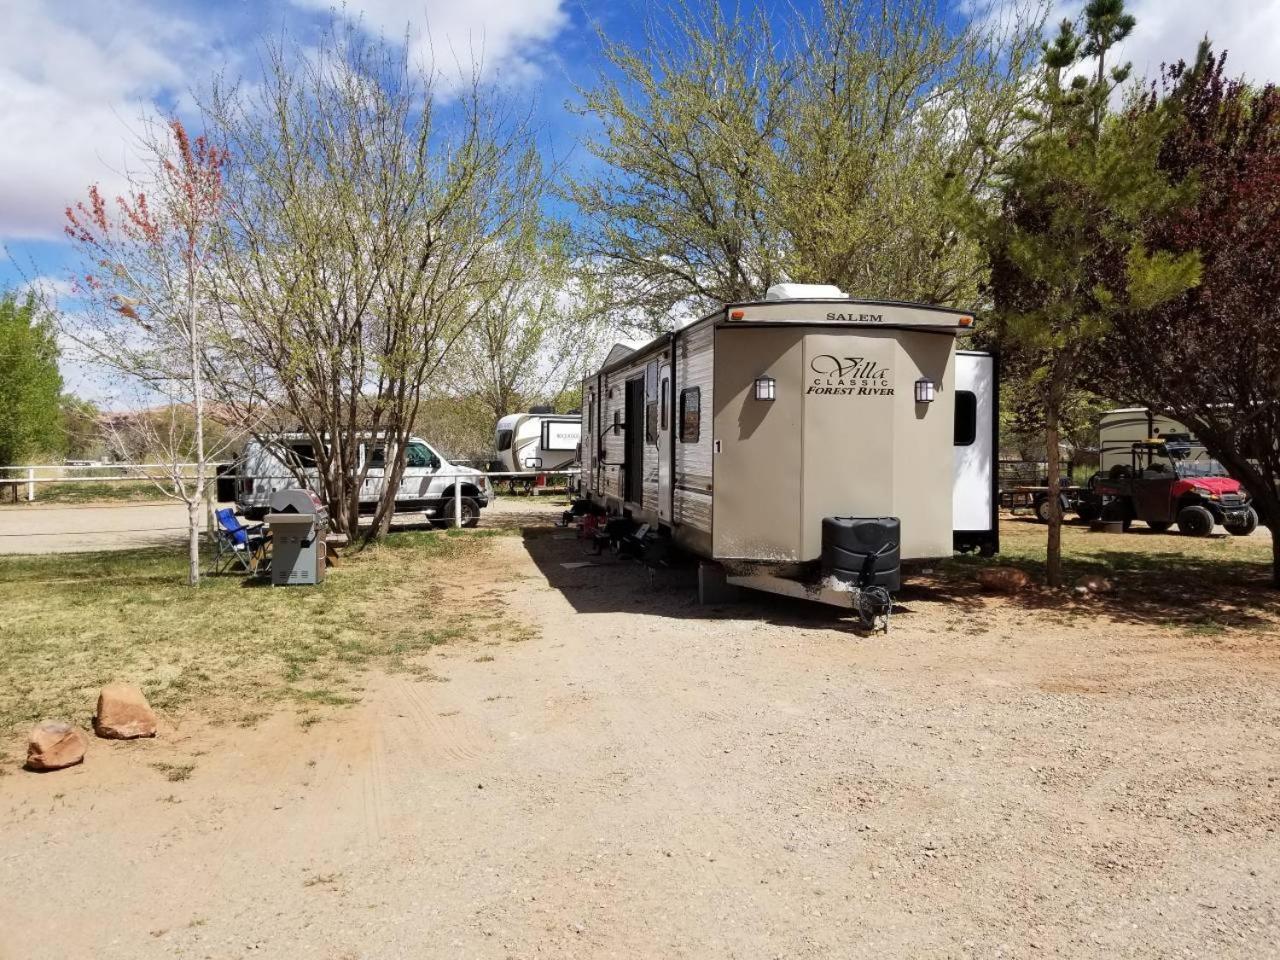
point(973, 503)
point(665, 448)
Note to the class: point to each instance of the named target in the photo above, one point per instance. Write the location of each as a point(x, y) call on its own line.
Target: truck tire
point(1244, 529)
point(1195, 521)
point(1159, 526)
point(1088, 509)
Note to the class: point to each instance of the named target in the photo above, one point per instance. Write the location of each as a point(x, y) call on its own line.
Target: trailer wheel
point(1041, 506)
point(1244, 529)
point(1195, 521)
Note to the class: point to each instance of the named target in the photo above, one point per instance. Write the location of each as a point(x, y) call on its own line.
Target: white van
point(427, 485)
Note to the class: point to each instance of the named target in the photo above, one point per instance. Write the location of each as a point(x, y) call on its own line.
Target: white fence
point(27, 478)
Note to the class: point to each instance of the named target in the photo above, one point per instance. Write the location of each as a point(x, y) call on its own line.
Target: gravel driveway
point(650, 778)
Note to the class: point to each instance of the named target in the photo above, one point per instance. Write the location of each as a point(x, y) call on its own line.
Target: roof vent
point(805, 291)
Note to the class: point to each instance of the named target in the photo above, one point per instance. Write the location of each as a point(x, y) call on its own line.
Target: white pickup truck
point(427, 486)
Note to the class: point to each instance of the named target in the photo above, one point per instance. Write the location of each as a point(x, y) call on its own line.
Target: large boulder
point(55, 744)
point(123, 713)
point(1004, 579)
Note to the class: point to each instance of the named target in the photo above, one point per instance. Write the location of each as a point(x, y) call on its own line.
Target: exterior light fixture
point(765, 387)
point(925, 390)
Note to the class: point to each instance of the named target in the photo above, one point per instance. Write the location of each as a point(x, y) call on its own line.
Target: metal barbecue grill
point(298, 522)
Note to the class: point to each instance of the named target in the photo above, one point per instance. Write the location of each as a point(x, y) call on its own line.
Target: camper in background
point(538, 440)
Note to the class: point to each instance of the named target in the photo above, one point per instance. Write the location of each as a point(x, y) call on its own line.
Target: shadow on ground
point(614, 584)
point(1153, 586)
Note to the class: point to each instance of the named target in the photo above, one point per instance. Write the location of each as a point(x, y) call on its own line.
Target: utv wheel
point(1159, 526)
point(1195, 521)
point(1117, 512)
point(1089, 510)
point(1244, 529)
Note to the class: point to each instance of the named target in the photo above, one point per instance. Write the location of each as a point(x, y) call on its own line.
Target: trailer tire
point(1244, 529)
point(1041, 507)
point(1195, 521)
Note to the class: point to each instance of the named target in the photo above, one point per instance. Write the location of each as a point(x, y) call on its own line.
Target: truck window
point(690, 414)
point(966, 418)
point(417, 455)
point(378, 457)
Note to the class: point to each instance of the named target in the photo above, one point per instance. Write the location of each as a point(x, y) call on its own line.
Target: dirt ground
point(651, 778)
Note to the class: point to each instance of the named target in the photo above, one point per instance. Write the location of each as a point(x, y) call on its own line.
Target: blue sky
point(77, 75)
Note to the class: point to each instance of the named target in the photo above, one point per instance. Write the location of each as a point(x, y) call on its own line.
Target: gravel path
point(648, 778)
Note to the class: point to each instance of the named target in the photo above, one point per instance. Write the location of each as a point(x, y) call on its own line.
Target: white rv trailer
point(1120, 429)
point(740, 433)
point(538, 440)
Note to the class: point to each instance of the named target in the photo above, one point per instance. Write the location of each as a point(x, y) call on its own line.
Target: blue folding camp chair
point(237, 545)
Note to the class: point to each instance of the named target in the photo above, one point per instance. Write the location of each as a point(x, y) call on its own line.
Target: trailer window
point(305, 454)
point(966, 417)
point(690, 414)
point(663, 399)
point(651, 423)
point(504, 440)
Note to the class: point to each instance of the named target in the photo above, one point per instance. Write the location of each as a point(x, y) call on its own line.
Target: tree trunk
point(1053, 550)
point(196, 502)
point(193, 540)
point(1274, 527)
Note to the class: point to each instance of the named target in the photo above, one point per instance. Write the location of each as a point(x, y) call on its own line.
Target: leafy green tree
point(733, 156)
point(30, 384)
point(1065, 233)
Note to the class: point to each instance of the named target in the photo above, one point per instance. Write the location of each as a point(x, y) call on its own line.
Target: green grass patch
point(77, 621)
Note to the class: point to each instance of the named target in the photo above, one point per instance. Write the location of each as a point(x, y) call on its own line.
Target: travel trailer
point(427, 485)
point(796, 437)
point(1120, 429)
point(538, 440)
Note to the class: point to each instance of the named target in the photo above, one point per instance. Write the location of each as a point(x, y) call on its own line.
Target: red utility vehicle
point(1164, 485)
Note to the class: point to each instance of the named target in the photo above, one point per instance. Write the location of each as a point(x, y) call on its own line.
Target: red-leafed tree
point(143, 259)
point(1210, 357)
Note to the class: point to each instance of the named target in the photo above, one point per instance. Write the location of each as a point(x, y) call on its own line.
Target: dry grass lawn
point(74, 622)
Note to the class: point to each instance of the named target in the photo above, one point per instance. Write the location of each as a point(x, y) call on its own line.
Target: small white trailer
point(538, 440)
point(792, 438)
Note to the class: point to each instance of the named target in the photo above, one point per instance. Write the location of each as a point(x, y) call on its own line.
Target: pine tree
point(1063, 224)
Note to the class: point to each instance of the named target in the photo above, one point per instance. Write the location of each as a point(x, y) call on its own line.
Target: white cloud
point(1170, 30)
point(446, 36)
point(78, 77)
point(74, 76)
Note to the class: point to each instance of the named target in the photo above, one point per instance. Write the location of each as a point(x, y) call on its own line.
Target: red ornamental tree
point(142, 276)
point(1210, 357)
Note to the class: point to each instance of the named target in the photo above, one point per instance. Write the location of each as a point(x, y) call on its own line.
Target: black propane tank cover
point(863, 550)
